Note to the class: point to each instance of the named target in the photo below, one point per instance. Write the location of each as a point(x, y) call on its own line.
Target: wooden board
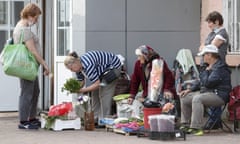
point(123, 132)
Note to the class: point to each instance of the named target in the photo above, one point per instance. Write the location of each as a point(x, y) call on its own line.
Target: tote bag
point(18, 61)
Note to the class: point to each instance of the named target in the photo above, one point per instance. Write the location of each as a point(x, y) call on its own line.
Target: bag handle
point(21, 37)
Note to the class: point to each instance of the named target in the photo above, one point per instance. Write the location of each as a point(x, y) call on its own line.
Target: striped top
point(96, 62)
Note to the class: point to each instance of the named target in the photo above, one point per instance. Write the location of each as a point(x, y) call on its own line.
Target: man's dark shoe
point(35, 122)
point(27, 125)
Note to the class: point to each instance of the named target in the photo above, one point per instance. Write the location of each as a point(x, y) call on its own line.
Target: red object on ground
point(147, 112)
point(60, 109)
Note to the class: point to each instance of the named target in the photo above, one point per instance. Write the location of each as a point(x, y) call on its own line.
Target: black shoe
point(27, 125)
point(35, 122)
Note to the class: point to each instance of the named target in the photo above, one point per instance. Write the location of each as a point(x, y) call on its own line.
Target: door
point(62, 46)
point(69, 35)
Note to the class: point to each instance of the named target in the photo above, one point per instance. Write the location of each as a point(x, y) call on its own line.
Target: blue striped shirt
point(96, 62)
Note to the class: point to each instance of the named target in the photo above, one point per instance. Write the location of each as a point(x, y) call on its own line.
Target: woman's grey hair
point(69, 60)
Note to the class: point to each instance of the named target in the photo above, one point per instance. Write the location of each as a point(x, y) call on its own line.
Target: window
point(63, 27)
point(3, 12)
point(232, 14)
point(9, 16)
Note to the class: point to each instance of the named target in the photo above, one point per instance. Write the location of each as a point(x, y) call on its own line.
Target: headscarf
point(147, 52)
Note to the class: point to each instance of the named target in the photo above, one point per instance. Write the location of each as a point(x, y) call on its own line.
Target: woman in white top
point(28, 99)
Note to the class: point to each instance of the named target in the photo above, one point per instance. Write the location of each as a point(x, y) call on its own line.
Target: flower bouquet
point(72, 85)
point(84, 101)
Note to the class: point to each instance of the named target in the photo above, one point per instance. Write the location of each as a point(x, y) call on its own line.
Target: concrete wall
point(121, 26)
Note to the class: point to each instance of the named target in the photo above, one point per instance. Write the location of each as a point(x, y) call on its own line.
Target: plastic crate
point(59, 124)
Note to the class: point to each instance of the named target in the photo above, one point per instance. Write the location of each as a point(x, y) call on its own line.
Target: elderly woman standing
point(93, 66)
point(28, 99)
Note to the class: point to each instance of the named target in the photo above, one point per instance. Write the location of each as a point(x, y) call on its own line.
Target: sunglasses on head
point(74, 54)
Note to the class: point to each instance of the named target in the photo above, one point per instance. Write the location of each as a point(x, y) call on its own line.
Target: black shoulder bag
point(110, 75)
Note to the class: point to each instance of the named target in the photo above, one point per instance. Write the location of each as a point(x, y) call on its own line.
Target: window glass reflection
point(3, 12)
point(63, 42)
point(3, 39)
point(63, 27)
point(15, 8)
point(63, 13)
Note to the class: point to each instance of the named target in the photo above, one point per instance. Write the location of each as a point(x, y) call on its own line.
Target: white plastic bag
point(156, 80)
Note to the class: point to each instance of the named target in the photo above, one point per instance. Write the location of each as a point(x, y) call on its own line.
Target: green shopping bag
point(19, 62)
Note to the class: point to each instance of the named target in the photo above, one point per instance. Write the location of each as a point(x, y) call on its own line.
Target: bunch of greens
point(72, 85)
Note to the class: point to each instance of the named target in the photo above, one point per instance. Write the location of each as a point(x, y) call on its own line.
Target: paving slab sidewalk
point(10, 134)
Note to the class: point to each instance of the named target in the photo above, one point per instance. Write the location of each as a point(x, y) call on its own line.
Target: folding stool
point(211, 117)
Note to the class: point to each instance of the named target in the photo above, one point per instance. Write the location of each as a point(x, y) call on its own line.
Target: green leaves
point(50, 120)
point(72, 85)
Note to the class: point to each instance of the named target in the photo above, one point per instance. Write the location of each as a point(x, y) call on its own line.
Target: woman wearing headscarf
point(141, 75)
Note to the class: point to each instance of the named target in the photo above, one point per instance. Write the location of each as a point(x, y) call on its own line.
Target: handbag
point(110, 75)
point(18, 61)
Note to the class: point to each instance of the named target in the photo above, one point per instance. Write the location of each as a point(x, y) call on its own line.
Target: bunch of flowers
point(59, 111)
point(84, 101)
